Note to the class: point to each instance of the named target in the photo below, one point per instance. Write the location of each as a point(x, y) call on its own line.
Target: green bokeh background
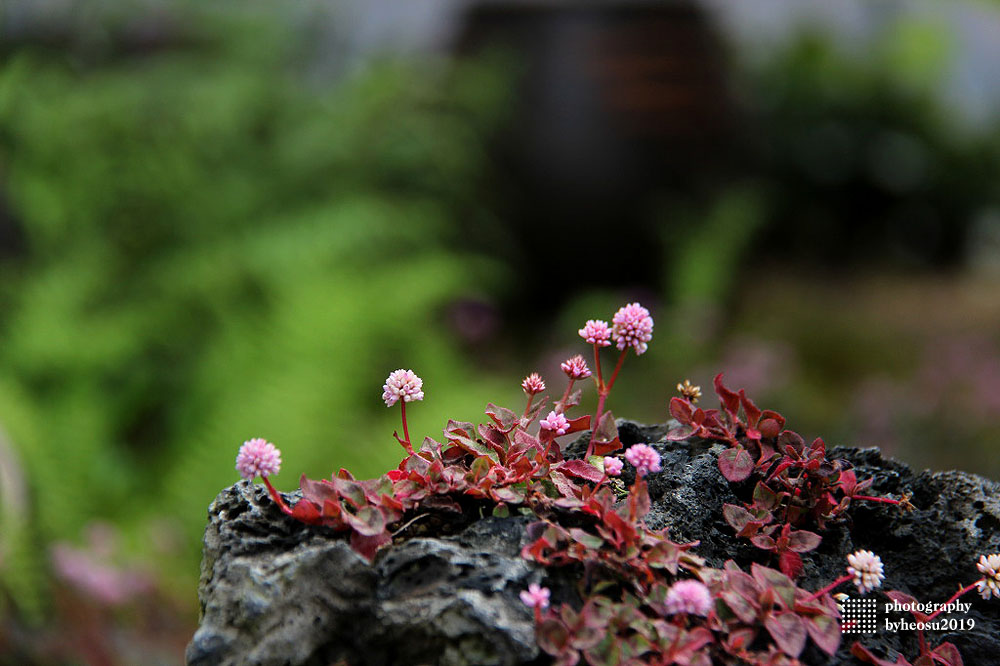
point(215, 243)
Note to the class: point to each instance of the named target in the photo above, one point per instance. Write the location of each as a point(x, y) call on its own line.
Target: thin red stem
point(561, 406)
point(820, 593)
point(964, 590)
point(276, 496)
point(406, 431)
point(597, 366)
point(602, 397)
point(527, 408)
point(618, 367)
point(884, 500)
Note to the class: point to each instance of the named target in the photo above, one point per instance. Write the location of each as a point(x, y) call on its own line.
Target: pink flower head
point(866, 567)
point(688, 596)
point(596, 332)
point(576, 367)
point(612, 466)
point(258, 457)
point(632, 326)
point(555, 421)
point(402, 384)
point(535, 596)
point(989, 566)
point(644, 458)
point(533, 384)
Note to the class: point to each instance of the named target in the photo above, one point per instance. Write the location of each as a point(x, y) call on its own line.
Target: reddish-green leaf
point(552, 636)
point(825, 632)
point(788, 632)
point(368, 521)
point(505, 419)
point(802, 541)
point(581, 470)
point(736, 516)
point(735, 464)
point(770, 579)
point(764, 497)
point(790, 563)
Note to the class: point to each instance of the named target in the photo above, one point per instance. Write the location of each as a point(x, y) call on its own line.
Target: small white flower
point(989, 566)
point(866, 567)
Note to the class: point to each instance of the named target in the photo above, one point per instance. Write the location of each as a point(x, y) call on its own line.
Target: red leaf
point(307, 512)
point(740, 606)
point(790, 563)
point(764, 497)
point(802, 541)
point(368, 521)
point(735, 464)
point(736, 516)
point(730, 400)
point(788, 632)
point(367, 546)
point(505, 419)
point(825, 632)
point(763, 542)
point(751, 410)
point(949, 653)
point(780, 583)
point(607, 430)
point(581, 470)
point(681, 410)
point(579, 424)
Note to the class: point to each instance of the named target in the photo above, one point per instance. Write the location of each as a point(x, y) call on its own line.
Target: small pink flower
point(989, 566)
point(613, 466)
point(596, 332)
point(632, 326)
point(576, 368)
point(644, 458)
point(533, 384)
point(402, 384)
point(866, 567)
point(535, 596)
point(258, 457)
point(555, 421)
point(688, 596)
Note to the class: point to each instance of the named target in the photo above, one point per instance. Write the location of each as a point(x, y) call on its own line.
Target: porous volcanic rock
point(276, 592)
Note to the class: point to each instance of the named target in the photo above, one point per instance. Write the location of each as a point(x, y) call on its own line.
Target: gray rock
point(274, 591)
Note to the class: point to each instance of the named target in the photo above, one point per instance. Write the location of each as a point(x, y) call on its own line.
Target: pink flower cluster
point(535, 596)
point(690, 597)
point(989, 566)
point(644, 458)
point(632, 327)
point(576, 368)
point(403, 384)
point(596, 332)
point(258, 457)
point(866, 567)
point(555, 421)
point(612, 466)
point(533, 384)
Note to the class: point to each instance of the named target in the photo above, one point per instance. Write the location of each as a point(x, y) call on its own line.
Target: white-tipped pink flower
point(576, 367)
point(644, 458)
point(690, 597)
point(258, 457)
point(535, 596)
point(533, 384)
point(596, 332)
point(402, 384)
point(989, 566)
point(632, 327)
point(613, 466)
point(866, 567)
point(556, 422)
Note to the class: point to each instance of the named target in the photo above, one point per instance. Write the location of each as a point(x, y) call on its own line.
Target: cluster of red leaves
point(797, 484)
point(757, 618)
point(760, 618)
point(500, 462)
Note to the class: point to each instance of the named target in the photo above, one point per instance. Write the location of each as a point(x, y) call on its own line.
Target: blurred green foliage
point(216, 249)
